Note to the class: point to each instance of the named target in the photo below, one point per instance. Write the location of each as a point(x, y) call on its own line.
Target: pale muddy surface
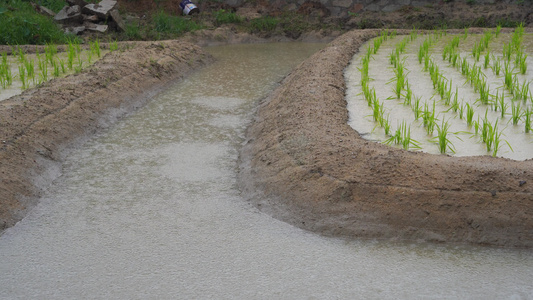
point(515, 142)
point(151, 209)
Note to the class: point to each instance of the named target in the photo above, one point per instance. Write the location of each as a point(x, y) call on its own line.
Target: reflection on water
point(150, 209)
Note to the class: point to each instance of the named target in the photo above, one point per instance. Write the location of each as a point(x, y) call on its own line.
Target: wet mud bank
point(39, 126)
point(303, 164)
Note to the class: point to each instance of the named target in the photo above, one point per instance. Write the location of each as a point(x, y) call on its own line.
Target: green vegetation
point(226, 17)
point(20, 24)
point(165, 23)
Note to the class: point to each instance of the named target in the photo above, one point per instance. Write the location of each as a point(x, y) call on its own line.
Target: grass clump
point(165, 23)
point(227, 17)
point(263, 24)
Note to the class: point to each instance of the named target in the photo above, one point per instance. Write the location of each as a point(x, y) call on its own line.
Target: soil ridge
point(303, 164)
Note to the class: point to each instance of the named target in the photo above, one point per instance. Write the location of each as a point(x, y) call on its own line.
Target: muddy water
point(151, 210)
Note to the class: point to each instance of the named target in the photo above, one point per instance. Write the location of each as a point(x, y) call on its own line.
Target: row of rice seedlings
point(442, 139)
point(6, 78)
point(520, 61)
point(402, 136)
point(480, 46)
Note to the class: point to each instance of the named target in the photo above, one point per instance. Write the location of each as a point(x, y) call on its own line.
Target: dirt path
point(310, 168)
point(40, 124)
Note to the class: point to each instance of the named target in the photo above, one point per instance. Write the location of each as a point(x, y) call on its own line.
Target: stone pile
point(78, 16)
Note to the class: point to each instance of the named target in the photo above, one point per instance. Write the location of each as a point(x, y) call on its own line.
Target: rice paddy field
point(20, 70)
point(457, 94)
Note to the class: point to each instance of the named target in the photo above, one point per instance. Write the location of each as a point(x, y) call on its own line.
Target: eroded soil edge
point(302, 163)
point(40, 125)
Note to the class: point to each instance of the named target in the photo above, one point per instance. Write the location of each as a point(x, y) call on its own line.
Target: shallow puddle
point(151, 209)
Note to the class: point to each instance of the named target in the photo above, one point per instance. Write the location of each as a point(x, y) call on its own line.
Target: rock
point(101, 9)
point(69, 14)
point(118, 20)
point(90, 18)
point(95, 27)
point(43, 10)
point(81, 3)
point(75, 30)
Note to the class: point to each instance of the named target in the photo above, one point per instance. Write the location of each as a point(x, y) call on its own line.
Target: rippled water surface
point(150, 210)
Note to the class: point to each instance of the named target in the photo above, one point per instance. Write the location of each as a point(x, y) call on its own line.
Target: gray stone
point(69, 14)
point(95, 27)
point(342, 3)
point(403, 2)
point(118, 20)
point(392, 7)
point(75, 30)
point(43, 10)
point(101, 9)
point(90, 18)
point(373, 7)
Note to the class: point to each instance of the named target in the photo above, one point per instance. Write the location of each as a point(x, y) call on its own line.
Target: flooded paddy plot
point(20, 70)
point(464, 95)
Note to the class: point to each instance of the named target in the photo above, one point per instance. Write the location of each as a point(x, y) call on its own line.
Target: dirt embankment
point(37, 126)
point(303, 164)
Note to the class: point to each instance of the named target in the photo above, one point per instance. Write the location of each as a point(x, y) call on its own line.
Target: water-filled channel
point(150, 209)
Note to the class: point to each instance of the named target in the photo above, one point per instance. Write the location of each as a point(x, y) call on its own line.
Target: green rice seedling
point(502, 105)
point(30, 68)
point(22, 76)
point(522, 64)
point(461, 110)
point(487, 133)
point(385, 124)
point(408, 95)
point(516, 113)
point(43, 66)
point(21, 55)
point(455, 102)
point(466, 33)
point(113, 46)
point(402, 136)
point(56, 68)
point(8, 76)
point(486, 61)
point(524, 91)
point(527, 119)
point(516, 39)
point(95, 48)
point(496, 139)
point(89, 57)
point(377, 110)
point(444, 142)
point(417, 108)
point(507, 51)
point(465, 68)
point(428, 118)
point(496, 66)
point(476, 127)
point(498, 30)
point(454, 59)
point(52, 51)
point(469, 114)
point(508, 76)
point(62, 64)
point(79, 67)
point(484, 90)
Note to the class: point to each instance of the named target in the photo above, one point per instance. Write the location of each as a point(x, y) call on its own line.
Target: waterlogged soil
point(304, 164)
point(38, 126)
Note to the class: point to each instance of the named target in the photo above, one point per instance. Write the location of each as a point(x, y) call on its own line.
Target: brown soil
point(40, 125)
point(305, 165)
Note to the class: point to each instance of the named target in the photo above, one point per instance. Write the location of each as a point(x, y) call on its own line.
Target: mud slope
point(303, 164)
point(38, 125)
